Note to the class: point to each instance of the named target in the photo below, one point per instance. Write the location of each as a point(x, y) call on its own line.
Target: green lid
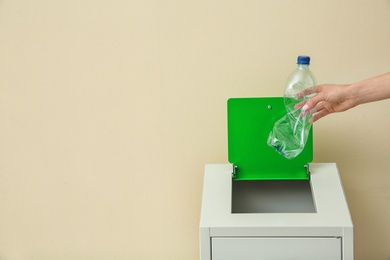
point(250, 120)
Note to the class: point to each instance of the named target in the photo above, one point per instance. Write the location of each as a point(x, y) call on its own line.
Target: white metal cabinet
point(330, 219)
point(255, 248)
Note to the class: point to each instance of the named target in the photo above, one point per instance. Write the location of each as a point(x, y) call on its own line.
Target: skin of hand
point(331, 98)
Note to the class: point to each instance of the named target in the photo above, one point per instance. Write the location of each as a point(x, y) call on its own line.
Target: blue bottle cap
point(304, 60)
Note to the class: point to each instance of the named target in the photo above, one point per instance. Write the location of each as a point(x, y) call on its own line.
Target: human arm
point(331, 98)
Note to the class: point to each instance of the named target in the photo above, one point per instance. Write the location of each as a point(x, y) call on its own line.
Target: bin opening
point(272, 196)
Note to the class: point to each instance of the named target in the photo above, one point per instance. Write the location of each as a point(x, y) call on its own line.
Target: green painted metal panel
point(250, 121)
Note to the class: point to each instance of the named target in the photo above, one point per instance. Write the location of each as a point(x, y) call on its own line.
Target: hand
point(332, 98)
point(329, 99)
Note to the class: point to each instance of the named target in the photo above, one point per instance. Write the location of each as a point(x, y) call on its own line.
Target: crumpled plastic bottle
point(289, 134)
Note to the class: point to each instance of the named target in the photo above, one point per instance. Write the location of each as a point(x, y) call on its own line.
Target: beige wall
point(110, 109)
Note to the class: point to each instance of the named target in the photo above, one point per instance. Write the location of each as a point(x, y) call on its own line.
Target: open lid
point(250, 120)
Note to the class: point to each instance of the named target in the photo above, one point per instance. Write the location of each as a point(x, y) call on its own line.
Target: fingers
point(316, 106)
point(313, 102)
point(317, 112)
point(322, 109)
point(320, 106)
point(299, 105)
point(307, 113)
point(319, 115)
point(310, 91)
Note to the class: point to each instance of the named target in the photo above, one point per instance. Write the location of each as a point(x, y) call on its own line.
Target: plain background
point(110, 109)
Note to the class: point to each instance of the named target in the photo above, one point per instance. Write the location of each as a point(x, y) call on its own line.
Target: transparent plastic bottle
point(289, 134)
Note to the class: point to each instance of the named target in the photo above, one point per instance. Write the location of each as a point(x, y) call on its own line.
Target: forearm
point(373, 89)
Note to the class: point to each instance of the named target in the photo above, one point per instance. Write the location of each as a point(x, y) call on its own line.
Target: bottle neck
point(304, 66)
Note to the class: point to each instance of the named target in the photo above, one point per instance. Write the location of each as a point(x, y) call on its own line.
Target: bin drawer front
point(245, 248)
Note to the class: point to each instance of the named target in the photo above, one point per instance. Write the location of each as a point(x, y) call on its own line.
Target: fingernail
point(305, 107)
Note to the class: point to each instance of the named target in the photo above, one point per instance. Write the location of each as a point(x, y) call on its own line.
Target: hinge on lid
point(307, 170)
point(234, 173)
